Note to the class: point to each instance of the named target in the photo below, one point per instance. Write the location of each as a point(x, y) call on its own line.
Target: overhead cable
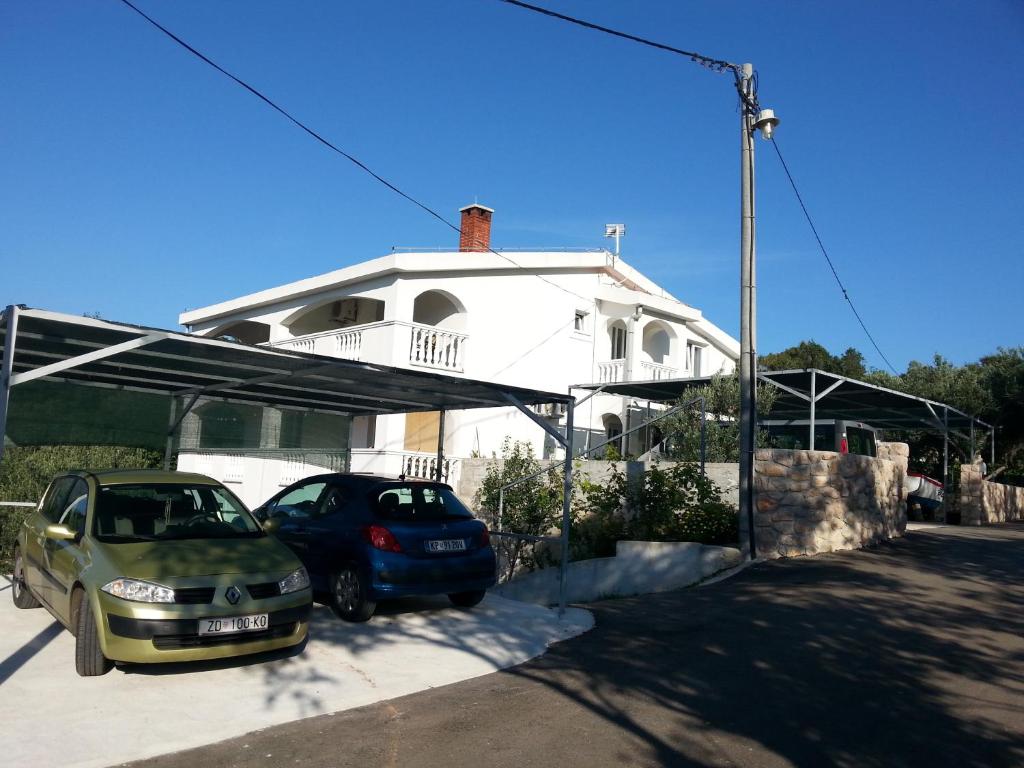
point(821, 245)
point(718, 65)
point(334, 148)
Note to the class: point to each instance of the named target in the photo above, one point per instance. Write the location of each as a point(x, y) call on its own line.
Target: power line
point(362, 166)
point(718, 65)
point(831, 266)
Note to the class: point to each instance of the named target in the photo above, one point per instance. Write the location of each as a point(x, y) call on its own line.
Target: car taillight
point(485, 537)
point(381, 538)
point(844, 447)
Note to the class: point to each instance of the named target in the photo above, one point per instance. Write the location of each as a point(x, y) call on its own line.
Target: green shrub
point(26, 471)
point(672, 504)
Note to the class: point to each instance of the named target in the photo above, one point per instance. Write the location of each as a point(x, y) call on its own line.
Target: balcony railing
point(389, 342)
point(611, 371)
point(656, 371)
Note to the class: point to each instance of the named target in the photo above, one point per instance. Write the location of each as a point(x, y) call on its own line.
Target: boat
point(924, 491)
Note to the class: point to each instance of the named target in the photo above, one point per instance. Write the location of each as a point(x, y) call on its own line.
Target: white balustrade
point(611, 371)
point(436, 347)
point(426, 346)
point(656, 372)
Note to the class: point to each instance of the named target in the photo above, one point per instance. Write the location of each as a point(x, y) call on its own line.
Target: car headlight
point(294, 581)
point(139, 591)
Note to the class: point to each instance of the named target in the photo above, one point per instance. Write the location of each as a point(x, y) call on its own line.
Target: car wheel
point(23, 598)
point(89, 658)
point(348, 595)
point(467, 599)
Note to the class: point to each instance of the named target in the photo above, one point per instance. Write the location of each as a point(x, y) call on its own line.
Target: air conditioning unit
point(550, 410)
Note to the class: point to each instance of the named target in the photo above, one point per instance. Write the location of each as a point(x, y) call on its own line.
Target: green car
point(148, 566)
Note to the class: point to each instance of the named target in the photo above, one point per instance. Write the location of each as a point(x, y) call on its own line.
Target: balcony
point(391, 342)
point(614, 371)
point(656, 372)
point(611, 372)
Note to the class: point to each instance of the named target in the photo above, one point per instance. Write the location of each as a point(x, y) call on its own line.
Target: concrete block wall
point(808, 502)
point(473, 471)
point(984, 501)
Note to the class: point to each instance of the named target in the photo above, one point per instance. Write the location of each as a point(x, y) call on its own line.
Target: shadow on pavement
point(16, 660)
point(910, 654)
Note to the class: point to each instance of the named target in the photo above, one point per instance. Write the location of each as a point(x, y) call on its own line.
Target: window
point(335, 500)
point(77, 504)
point(54, 503)
point(298, 502)
point(579, 323)
point(860, 441)
point(693, 358)
point(618, 337)
point(166, 511)
point(420, 502)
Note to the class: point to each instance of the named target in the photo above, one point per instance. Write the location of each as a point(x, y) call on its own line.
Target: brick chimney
point(476, 228)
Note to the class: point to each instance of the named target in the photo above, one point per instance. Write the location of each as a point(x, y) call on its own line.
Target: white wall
point(519, 332)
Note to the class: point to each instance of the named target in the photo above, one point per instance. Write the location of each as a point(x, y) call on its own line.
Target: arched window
point(612, 430)
point(617, 338)
point(657, 344)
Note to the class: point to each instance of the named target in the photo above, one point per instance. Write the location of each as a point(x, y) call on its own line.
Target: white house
point(545, 320)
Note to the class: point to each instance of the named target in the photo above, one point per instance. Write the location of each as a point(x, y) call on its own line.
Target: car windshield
point(166, 511)
point(419, 502)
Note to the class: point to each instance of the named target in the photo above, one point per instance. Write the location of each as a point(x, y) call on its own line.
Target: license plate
point(446, 545)
point(232, 624)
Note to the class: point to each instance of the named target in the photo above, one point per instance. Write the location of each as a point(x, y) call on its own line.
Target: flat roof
point(836, 397)
point(82, 350)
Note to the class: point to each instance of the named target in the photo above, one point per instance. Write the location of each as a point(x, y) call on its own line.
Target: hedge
point(25, 472)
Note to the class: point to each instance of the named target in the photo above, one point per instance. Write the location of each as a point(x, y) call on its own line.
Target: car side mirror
point(58, 532)
point(272, 524)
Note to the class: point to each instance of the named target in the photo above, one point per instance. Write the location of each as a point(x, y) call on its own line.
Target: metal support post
point(172, 423)
point(563, 566)
point(993, 448)
point(703, 435)
point(973, 449)
point(439, 473)
point(945, 448)
point(7, 371)
point(747, 298)
point(814, 402)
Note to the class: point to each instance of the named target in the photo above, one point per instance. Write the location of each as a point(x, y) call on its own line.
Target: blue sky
point(138, 182)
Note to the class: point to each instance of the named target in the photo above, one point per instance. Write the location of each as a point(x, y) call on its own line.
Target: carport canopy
point(39, 344)
point(815, 394)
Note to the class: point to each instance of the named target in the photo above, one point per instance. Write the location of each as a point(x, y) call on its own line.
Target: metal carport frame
point(38, 344)
point(814, 394)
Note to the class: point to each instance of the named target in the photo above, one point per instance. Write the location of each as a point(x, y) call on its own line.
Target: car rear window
point(860, 441)
point(413, 502)
point(794, 437)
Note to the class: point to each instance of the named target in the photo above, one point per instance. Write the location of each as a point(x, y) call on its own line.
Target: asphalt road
point(911, 654)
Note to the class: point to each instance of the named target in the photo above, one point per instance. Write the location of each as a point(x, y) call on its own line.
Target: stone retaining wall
point(808, 502)
point(983, 501)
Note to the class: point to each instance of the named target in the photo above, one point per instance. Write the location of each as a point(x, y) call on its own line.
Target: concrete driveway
point(52, 717)
point(910, 654)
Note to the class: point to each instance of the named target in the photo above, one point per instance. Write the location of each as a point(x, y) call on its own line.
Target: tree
point(810, 354)
point(722, 427)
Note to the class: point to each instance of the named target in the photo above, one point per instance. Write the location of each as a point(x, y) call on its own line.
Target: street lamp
point(752, 118)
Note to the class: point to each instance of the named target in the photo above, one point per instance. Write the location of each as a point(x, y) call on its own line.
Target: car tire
point(89, 658)
point(467, 599)
point(348, 595)
point(23, 598)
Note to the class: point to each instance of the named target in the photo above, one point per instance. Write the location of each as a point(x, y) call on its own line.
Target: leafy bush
point(672, 504)
point(25, 473)
point(532, 507)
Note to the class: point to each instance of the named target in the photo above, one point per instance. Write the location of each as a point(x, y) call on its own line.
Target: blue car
point(364, 539)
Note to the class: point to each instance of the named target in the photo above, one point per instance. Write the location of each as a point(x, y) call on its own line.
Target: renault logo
point(232, 594)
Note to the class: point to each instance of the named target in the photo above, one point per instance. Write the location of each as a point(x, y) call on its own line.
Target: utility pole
point(752, 118)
